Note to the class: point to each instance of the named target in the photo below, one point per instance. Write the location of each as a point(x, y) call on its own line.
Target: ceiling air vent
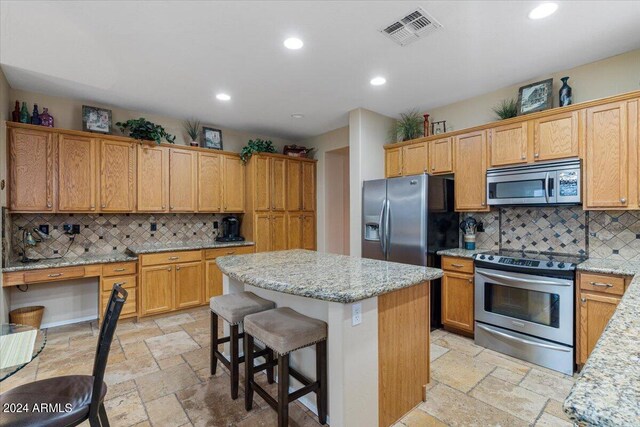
point(416, 24)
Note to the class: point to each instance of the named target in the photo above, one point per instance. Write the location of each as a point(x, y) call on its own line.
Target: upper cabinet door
point(31, 171)
point(261, 168)
point(153, 178)
point(508, 144)
point(414, 159)
point(441, 156)
point(76, 173)
point(556, 137)
point(471, 172)
point(117, 176)
point(183, 182)
point(233, 187)
point(606, 156)
point(209, 178)
point(278, 184)
point(393, 162)
point(308, 186)
point(294, 185)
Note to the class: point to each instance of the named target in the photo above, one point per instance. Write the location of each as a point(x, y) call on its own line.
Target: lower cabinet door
point(188, 285)
point(294, 230)
point(595, 313)
point(262, 235)
point(278, 232)
point(213, 278)
point(309, 232)
point(457, 301)
point(156, 289)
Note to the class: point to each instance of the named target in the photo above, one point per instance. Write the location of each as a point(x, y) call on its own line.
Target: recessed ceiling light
point(297, 116)
point(542, 11)
point(378, 81)
point(293, 43)
point(223, 97)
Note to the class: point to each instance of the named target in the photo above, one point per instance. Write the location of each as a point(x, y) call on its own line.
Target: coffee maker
point(230, 230)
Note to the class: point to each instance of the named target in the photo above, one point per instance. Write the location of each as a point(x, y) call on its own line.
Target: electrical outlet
point(215, 225)
point(480, 227)
point(356, 314)
point(154, 226)
point(44, 228)
point(71, 228)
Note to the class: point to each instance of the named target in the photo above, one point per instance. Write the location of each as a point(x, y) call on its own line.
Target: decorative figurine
point(15, 114)
point(35, 117)
point(24, 113)
point(565, 93)
point(46, 119)
point(426, 124)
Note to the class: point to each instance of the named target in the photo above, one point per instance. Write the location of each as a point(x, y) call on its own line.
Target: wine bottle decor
point(35, 117)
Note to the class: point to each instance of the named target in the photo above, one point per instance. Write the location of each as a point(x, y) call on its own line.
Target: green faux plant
point(145, 130)
point(256, 146)
point(192, 127)
point(410, 126)
point(506, 109)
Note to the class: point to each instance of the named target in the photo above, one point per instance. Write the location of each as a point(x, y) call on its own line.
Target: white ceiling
point(171, 58)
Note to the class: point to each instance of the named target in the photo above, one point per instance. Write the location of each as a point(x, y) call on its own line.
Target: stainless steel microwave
point(548, 183)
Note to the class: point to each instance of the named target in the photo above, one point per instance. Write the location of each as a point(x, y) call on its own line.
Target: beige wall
point(337, 201)
point(4, 115)
point(68, 115)
point(600, 79)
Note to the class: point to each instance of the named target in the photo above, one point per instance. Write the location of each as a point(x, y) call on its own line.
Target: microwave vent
point(412, 26)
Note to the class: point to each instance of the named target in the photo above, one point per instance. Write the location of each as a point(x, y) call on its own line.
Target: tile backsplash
point(107, 233)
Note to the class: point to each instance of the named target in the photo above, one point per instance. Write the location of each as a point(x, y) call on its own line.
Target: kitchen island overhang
point(377, 369)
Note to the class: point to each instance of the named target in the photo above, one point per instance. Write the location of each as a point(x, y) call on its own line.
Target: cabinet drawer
point(602, 283)
point(130, 306)
point(171, 257)
point(119, 269)
point(462, 265)
point(127, 282)
point(53, 274)
point(234, 250)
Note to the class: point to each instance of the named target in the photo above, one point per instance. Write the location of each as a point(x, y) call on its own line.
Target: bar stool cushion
point(234, 307)
point(285, 330)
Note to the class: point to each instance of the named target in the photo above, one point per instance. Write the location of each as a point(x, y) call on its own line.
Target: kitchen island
point(378, 361)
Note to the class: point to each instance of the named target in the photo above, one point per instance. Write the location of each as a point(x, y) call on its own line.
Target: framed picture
point(96, 119)
point(535, 97)
point(211, 138)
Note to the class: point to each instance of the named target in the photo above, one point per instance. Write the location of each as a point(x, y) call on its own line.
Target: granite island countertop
point(150, 248)
point(607, 392)
point(321, 276)
point(461, 252)
point(16, 265)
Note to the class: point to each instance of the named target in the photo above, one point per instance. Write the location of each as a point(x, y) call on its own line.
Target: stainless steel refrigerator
point(409, 219)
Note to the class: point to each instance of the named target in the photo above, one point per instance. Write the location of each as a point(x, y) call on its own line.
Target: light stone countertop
point(607, 392)
point(183, 246)
point(322, 276)
point(16, 265)
point(461, 253)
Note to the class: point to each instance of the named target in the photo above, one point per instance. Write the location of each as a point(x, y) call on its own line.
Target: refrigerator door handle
point(387, 228)
point(381, 224)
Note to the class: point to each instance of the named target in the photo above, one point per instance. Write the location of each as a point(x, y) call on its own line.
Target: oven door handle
point(518, 280)
point(521, 340)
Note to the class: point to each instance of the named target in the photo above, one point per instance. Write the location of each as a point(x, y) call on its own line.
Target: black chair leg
point(283, 390)
point(94, 421)
point(248, 371)
point(214, 342)
point(270, 370)
point(102, 413)
point(235, 362)
point(321, 378)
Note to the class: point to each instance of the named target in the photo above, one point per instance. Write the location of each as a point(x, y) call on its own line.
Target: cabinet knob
point(93, 206)
point(470, 280)
point(623, 200)
point(171, 207)
point(483, 203)
point(163, 207)
point(104, 206)
point(48, 205)
point(177, 268)
point(536, 155)
point(583, 300)
point(523, 157)
point(168, 268)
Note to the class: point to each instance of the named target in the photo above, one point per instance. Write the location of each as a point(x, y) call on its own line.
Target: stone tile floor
point(158, 375)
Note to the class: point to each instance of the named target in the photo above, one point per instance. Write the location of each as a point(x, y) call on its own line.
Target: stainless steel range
point(524, 306)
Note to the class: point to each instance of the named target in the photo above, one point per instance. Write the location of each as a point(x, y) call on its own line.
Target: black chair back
point(107, 329)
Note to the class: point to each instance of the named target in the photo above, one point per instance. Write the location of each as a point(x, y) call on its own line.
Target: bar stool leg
point(214, 342)
point(321, 378)
point(270, 370)
point(283, 390)
point(235, 363)
point(248, 371)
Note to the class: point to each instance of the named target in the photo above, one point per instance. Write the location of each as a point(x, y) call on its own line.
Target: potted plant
point(145, 130)
point(256, 146)
point(506, 109)
point(192, 127)
point(410, 126)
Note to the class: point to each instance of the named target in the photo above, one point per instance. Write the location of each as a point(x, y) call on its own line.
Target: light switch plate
point(356, 314)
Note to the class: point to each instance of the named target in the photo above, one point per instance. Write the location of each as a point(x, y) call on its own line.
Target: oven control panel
point(525, 263)
point(518, 262)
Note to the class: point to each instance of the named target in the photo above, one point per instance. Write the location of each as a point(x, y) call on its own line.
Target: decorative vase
point(565, 93)
point(35, 117)
point(15, 114)
point(194, 143)
point(24, 114)
point(46, 119)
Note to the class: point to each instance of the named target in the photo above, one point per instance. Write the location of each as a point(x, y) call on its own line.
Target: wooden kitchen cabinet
point(294, 230)
point(233, 184)
point(457, 297)
point(393, 162)
point(556, 137)
point(183, 181)
point(309, 231)
point(278, 184)
point(414, 159)
point(471, 172)
point(77, 173)
point(31, 157)
point(156, 289)
point(117, 176)
point(508, 144)
point(278, 232)
point(308, 186)
point(262, 231)
point(209, 179)
point(188, 285)
point(213, 274)
point(294, 185)
point(441, 156)
point(153, 178)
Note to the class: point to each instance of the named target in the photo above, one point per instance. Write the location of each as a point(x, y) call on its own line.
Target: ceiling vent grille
point(414, 25)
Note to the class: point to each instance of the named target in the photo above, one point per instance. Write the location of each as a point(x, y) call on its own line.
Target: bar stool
point(233, 308)
point(284, 330)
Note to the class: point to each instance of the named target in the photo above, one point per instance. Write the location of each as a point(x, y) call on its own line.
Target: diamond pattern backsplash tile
point(104, 234)
point(615, 235)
